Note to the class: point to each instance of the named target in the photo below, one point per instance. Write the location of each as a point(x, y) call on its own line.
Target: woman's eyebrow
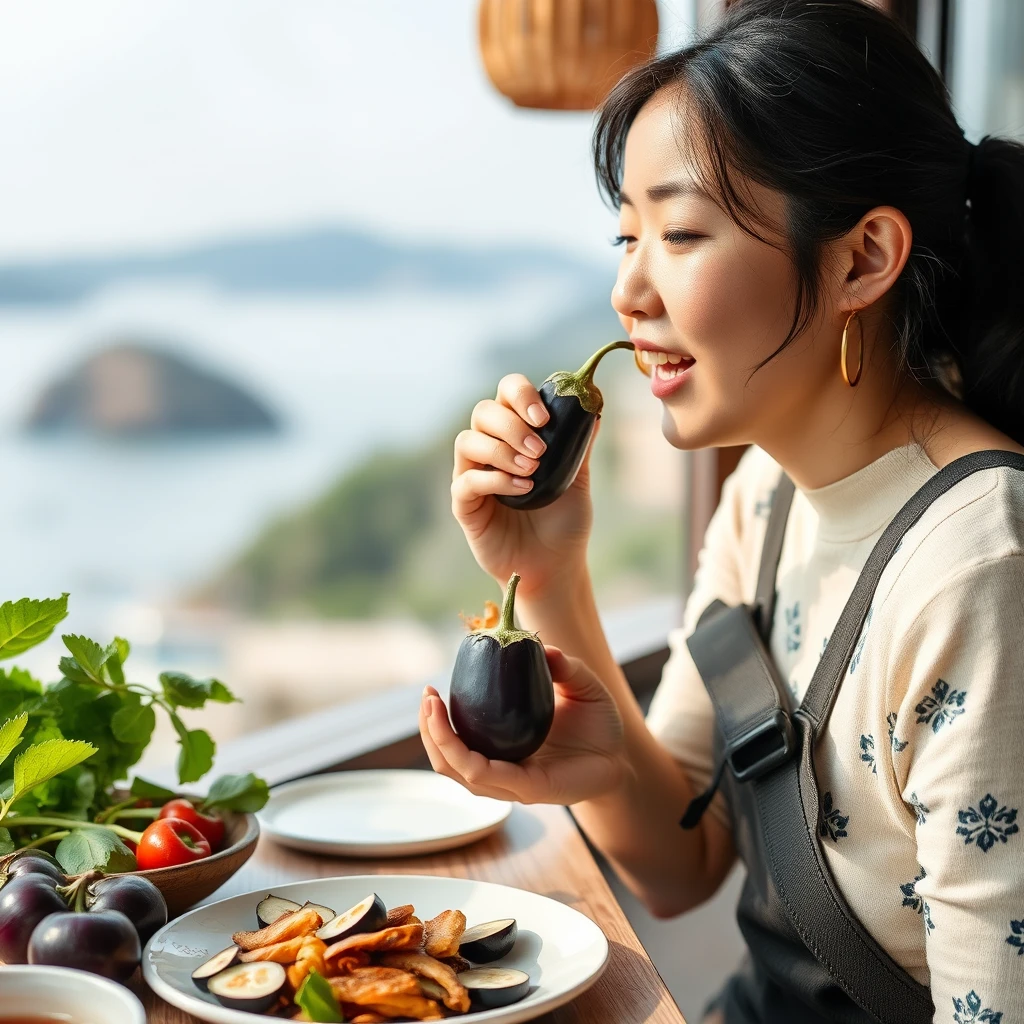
point(668, 190)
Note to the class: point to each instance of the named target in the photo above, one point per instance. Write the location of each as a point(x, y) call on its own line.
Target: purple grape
point(103, 942)
point(137, 898)
point(24, 902)
point(36, 862)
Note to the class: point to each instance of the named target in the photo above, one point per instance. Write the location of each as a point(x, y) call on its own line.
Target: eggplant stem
point(508, 605)
point(586, 371)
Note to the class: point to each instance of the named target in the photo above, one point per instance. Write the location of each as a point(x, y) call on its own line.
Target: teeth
point(649, 358)
point(668, 372)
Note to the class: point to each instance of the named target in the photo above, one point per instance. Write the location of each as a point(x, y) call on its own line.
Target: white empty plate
point(563, 951)
point(387, 813)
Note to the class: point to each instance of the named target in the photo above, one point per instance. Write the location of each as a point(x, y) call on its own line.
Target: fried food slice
point(286, 952)
point(457, 963)
point(456, 997)
point(287, 926)
point(409, 1006)
point(373, 985)
point(310, 958)
point(441, 934)
point(405, 936)
point(368, 1018)
point(400, 915)
point(347, 963)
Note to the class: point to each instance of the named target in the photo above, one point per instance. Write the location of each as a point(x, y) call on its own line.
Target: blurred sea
point(125, 525)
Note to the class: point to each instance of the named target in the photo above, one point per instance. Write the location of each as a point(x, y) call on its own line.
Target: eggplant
point(368, 915)
point(271, 907)
point(490, 987)
point(574, 404)
point(484, 943)
point(502, 699)
point(326, 914)
point(253, 987)
point(218, 962)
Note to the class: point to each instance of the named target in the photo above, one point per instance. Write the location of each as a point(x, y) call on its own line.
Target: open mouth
point(664, 365)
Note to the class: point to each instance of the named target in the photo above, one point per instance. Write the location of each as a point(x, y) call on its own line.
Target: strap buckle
point(762, 748)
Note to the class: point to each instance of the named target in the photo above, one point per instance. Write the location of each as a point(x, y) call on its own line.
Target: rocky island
point(134, 389)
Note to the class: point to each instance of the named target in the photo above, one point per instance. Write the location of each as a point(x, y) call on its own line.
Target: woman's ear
point(873, 254)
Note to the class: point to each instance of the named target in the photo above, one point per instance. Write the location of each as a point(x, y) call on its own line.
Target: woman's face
point(696, 288)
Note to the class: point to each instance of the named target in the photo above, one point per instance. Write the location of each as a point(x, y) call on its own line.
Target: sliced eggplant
point(271, 907)
point(326, 914)
point(368, 915)
point(484, 943)
point(253, 987)
point(490, 987)
point(218, 962)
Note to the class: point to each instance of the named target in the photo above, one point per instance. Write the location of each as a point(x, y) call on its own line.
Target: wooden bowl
point(187, 884)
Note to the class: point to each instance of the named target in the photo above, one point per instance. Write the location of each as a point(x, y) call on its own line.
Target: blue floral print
point(793, 628)
point(1016, 936)
point(969, 1011)
point(943, 706)
point(859, 649)
point(987, 824)
point(867, 751)
point(833, 821)
point(897, 745)
point(919, 809)
point(912, 899)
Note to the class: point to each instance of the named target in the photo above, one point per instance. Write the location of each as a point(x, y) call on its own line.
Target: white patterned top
point(921, 767)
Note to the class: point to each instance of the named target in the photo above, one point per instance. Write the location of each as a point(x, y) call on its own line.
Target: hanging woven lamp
point(564, 54)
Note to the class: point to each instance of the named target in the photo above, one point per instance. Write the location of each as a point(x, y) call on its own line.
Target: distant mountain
point(135, 390)
point(323, 260)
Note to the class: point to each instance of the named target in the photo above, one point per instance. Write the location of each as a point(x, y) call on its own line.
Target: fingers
point(449, 756)
point(496, 420)
point(520, 395)
point(470, 488)
point(474, 448)
point(574, 678)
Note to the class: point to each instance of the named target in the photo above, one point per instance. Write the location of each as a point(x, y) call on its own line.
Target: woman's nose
point(633, 296)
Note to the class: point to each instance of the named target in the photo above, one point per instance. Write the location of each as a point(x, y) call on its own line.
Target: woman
point(822, 267)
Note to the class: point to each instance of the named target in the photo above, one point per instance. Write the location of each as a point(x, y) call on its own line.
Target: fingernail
point(524, 463)
point(429, 709)
point(537, 414)
point(533, 443)
point(522, 483)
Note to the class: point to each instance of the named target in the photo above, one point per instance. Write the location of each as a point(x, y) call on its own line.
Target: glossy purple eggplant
point(502, 699)
point(574, 404)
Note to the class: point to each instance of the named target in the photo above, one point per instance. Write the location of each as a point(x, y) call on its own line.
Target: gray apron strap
point(789, 804)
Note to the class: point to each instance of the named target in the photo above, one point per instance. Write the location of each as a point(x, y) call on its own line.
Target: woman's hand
point(582, 758)
point(498, 455)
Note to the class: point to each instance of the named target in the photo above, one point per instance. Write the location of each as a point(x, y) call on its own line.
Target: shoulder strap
point(788, 802)
point(771, 553)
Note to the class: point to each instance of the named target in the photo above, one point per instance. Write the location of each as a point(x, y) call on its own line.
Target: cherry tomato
point(210, 825)
point(170, 841)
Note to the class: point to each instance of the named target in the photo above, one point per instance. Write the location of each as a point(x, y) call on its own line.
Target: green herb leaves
point(10, 735)
point(195, 758)
point(316, 997)
point(42, 761)
point(25, 623)
point(182, 691)
point(245, 793)
point(88, 848)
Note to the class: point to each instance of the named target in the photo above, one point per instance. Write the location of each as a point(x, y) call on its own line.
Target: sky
point(147, 125)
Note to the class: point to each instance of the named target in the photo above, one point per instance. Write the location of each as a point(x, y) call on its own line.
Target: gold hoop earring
point(860, 355)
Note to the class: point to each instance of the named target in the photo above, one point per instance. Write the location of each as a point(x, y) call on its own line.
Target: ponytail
point(991, 353)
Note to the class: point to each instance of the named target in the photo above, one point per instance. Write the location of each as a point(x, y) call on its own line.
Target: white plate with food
point(386, 813)
point(420, 945)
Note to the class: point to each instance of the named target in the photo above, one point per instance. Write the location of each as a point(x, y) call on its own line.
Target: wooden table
point(539, 849)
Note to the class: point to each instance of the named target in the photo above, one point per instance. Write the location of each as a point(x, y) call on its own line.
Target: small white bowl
point(34, 991)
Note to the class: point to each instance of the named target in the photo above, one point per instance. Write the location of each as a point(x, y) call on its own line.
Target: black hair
point(833, 105)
